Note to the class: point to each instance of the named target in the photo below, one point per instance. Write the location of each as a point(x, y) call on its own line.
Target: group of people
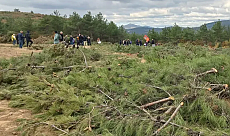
point(138, 43)
point(19, 39)
point(147, 43)
point(125, 42)
point(70, 40)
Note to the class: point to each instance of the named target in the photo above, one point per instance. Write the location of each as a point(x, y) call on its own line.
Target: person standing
point(153, 43)
point(28, 39)
point(17, 39)
point(85, 40)
point(140, 43)
point(128, 42)
point(137, 42)
point(81, 39)
point(21, 39)
point(71, 40)
point(61, 37)
point(56, 38)
point(88, 41)
point(13, 38)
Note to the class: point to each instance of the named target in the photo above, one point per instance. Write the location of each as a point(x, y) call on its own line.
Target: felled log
point(159, 101)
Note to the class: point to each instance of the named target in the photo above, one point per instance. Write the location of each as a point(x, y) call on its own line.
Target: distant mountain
point(131, 26)
point(225, 23)
point(145, 29)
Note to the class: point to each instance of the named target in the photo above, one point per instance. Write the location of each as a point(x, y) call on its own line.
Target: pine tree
point(218, 30)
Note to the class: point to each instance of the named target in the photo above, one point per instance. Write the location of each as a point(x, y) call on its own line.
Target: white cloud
point(156, 13)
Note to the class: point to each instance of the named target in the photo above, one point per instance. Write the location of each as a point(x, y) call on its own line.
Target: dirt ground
point(8, 119)
point(8, 50)
point(9, 116)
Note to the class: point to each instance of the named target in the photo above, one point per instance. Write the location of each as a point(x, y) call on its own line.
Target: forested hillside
point(96, 26)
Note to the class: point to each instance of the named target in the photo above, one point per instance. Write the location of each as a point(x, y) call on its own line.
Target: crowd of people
point(80, 40)
point(19, 39)
point(138, 43)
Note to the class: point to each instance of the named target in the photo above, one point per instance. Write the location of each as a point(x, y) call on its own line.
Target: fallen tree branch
point(154, 119)
point(53, 126)
point(163, 108)
point(8, 69)
point(103, 93)
point(159, 101)
point(172, 116)
point(225, 86)
point(213, 70)
point(86, 64)
point(38, 67)
point(156, 87)
point(169, 110)
point(90, 128)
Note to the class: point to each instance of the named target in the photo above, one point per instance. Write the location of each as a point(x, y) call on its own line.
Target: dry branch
point(159, 101)
point(153, 119)
point(169, 110)
point(225, 86)
point(86, 64)
point(53, 126)
point(213, 70)
point(172, 116)
point(156, 87)
point(38, 67)
point(90, 128)
point(163, 108)
point(103, 92)
point(8, 69)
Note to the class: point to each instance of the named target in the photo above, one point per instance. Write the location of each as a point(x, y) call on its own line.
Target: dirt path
point(8, 50)
point(131, 56)
point(9, 117)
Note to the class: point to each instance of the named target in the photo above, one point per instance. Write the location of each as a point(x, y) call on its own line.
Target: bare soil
point(9, 117)
point(8, 50)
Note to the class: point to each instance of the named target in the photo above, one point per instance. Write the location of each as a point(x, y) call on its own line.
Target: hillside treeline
point(217, 34)
point(96, 26)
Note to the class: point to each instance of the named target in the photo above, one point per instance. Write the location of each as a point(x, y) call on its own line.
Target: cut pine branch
point(159, 101)
point(225, 86)
point(163, 108)
point(213, 70)
point(172, 116)
point(153, 119)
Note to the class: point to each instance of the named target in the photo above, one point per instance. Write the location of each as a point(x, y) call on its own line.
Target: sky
point(154, 13)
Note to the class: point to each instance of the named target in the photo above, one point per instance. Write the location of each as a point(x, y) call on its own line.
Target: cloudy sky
point(155, 13)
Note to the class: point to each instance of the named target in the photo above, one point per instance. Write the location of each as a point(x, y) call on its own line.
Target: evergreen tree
point(218, 31)
point(165, 34)
point(203, 33)
point(153, 35)
point(188, 34)
point(176, 33)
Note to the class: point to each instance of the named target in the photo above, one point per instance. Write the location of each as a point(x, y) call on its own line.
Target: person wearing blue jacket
point(21, 39)
point(28, 39)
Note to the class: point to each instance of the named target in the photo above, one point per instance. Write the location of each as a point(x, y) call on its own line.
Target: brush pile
point(179, 90)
